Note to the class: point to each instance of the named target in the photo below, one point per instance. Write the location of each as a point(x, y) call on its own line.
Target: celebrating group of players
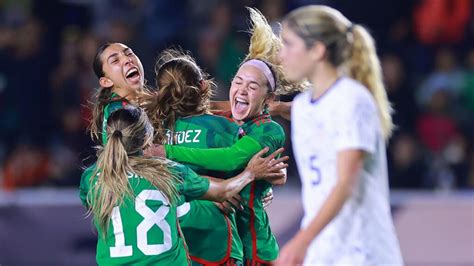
point(164, 159)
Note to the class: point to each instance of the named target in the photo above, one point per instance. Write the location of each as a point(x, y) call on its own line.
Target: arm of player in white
point(349, 165)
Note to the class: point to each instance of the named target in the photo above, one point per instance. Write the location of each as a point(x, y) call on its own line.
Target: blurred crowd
point(46, 79)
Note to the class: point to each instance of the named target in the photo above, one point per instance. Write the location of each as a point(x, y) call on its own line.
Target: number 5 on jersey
point(314, 166)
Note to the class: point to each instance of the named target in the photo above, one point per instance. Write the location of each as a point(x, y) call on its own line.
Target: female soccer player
point(257, 80)
point(180, 113)
point(339, 131)
point(133, 198)
point(121, 79)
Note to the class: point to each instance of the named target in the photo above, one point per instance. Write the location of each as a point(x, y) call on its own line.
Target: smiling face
point(122, 69)
point(248, 93)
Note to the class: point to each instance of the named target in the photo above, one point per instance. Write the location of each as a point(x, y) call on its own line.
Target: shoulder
point(115, 105)
point(351, 95)
point(264, 124)
point(260, 120)
point(301, 103)
point(208, 118)
point(212, 123)
point(219, 119)
point(88, 171)
point(356, 90)
point(176, 168)
point(303, 96)
point(86, 177)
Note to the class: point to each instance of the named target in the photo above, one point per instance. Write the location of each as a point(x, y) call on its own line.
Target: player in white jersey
point(339, 131)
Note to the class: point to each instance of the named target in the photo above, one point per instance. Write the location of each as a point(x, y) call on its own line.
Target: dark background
point(46, 80)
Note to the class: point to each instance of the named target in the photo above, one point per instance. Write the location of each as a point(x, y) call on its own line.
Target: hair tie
point(350, 34)
point(117, 133)
point(350, 28)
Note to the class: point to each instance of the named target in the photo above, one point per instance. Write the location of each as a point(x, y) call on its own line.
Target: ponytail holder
point(117, 133)
point(350, 34)
point(350, 28)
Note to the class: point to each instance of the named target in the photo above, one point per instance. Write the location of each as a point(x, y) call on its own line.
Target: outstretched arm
point(218, 159)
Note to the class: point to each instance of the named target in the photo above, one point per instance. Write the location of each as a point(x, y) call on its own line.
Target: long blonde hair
point(129, 132)
point(349, 47)
point(265, 46)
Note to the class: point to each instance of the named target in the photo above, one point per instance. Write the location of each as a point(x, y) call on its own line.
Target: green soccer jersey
point(115, 103)
point(212, 237)
point(260, 244)
point(254, 228)
point(144, 229)
point(203, 132)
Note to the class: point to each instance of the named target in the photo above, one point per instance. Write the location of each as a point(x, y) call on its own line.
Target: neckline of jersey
point(314, 101)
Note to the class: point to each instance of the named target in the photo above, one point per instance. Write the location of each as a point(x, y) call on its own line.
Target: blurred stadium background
point(46, 49)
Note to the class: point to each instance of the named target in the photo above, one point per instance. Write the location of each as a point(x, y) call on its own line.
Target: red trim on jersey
point(255, 259)
point(252, 221)
point(226, 114)
point(184, 240)
point(229, 249)
point(124, 103)
point(262, 119)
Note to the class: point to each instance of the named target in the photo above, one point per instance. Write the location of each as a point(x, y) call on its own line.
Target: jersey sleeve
point(218, 159)
point(358, 122)
point(193, 186)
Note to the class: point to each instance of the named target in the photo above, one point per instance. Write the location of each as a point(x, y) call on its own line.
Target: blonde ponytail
point(112, 184)
point(363, 65)
point(129, 132)
point(349, 47)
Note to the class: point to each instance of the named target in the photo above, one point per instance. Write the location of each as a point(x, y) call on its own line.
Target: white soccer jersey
point(345, 117)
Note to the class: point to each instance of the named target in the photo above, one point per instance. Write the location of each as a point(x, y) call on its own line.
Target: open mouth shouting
point(240, 108)
point(133, 75)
